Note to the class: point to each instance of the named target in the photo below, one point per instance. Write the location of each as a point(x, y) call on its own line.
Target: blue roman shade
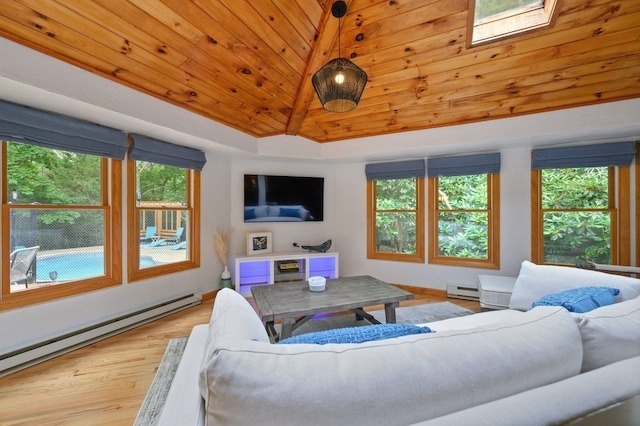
point(155, 151)
point(22, 124)
point(396, 170)
point(597, 155)
point(464, 165)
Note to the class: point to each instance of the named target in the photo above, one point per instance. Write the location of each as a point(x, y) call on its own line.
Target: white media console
point(282, 267)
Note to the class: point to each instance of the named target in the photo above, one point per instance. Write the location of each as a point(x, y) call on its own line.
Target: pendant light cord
point(339, 47)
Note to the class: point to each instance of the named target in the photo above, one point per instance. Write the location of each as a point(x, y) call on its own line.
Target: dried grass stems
point(221, 245)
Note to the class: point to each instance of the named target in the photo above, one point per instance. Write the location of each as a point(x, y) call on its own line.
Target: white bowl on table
point(317, 283)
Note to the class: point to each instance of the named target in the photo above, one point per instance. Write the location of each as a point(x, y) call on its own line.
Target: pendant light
point(340, 83)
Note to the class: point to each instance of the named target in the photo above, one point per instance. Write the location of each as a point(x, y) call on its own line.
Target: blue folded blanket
point(357, 334)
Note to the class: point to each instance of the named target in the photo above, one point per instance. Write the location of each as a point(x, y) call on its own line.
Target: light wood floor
point(105, 383)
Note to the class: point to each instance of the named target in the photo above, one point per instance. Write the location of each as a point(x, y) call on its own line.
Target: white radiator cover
point(495, 291)
point(58, 345)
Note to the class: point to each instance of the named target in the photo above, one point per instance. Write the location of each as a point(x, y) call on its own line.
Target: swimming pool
point(76, 266)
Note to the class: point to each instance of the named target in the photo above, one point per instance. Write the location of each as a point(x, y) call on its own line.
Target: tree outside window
point(396, 219)
point(577, 215)
point(463, 220)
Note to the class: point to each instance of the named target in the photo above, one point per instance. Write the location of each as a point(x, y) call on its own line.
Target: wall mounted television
point(283, 198)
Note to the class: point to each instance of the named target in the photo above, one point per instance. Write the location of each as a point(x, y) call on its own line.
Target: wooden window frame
point(620, 216)
point(134, 273)
point(111, 204)
point(493, 231)
point(372, 253)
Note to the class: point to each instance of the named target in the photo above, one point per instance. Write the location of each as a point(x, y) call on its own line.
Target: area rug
point(157, 394)
point(419, 314)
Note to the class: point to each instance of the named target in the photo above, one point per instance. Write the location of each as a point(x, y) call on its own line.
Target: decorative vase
point(225, 278)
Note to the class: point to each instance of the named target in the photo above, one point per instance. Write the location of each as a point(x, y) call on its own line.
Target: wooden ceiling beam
point(327, 36)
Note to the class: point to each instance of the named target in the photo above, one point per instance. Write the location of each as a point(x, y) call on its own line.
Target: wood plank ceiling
point(248, 63)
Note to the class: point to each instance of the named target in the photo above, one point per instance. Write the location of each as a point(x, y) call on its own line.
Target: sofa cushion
point(580, 300)
point(233, 318)
point(357, 334)
point(255, 212)
point(535, 281)
point(610, 333)
point(249, 214)
point(558, 403)
point(277, 210)
point(289, 212)
point(393, 381)
point(473, 321)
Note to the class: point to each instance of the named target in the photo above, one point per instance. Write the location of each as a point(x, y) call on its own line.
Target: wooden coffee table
point(294, 303)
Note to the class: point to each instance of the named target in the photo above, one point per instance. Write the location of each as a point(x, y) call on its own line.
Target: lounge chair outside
point(178, 237)
point(156, 243)
point(178, 246)
point(21, 261)
point(149, 234)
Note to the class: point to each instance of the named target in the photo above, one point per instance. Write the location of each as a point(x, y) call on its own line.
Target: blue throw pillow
point(357, 334)
point(288, 212)
point(249, 214)
point(580, 300)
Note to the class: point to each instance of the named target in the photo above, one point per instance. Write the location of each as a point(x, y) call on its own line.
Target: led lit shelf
point(282, 267)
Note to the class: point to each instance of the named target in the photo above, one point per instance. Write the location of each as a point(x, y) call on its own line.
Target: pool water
point(76, 266)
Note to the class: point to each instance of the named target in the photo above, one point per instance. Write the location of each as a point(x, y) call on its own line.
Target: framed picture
point(259, 243)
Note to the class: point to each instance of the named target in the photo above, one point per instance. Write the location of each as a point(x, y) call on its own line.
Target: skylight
point(496, 19)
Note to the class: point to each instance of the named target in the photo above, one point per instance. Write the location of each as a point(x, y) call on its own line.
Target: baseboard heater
point(55, 346)
point(462, 292)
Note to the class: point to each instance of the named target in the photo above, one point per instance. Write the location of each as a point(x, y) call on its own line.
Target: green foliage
point(575, 188)
point(463, 192)
point(161, 183)
point(486, 8)
point(463, 232)
point(463, 235)
point(46, 176)
point(571, 236)
point(396, 218)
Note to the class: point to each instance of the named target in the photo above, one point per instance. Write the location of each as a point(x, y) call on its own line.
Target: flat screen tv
point(283, 198)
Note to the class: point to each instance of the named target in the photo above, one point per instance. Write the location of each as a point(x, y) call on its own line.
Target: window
point(395, 217)
point(580, 208)
point(164, 208)
point(496, 19)
point(464, 208)
point(60, 221)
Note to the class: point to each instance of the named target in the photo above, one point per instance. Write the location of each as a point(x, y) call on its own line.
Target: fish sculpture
point(322, 248)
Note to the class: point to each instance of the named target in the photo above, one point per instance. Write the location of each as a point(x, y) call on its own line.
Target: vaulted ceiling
point(248, 63)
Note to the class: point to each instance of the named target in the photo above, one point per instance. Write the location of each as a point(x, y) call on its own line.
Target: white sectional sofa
point(497, 367)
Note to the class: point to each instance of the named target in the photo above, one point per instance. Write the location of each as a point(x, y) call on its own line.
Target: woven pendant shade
point(339, 85)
